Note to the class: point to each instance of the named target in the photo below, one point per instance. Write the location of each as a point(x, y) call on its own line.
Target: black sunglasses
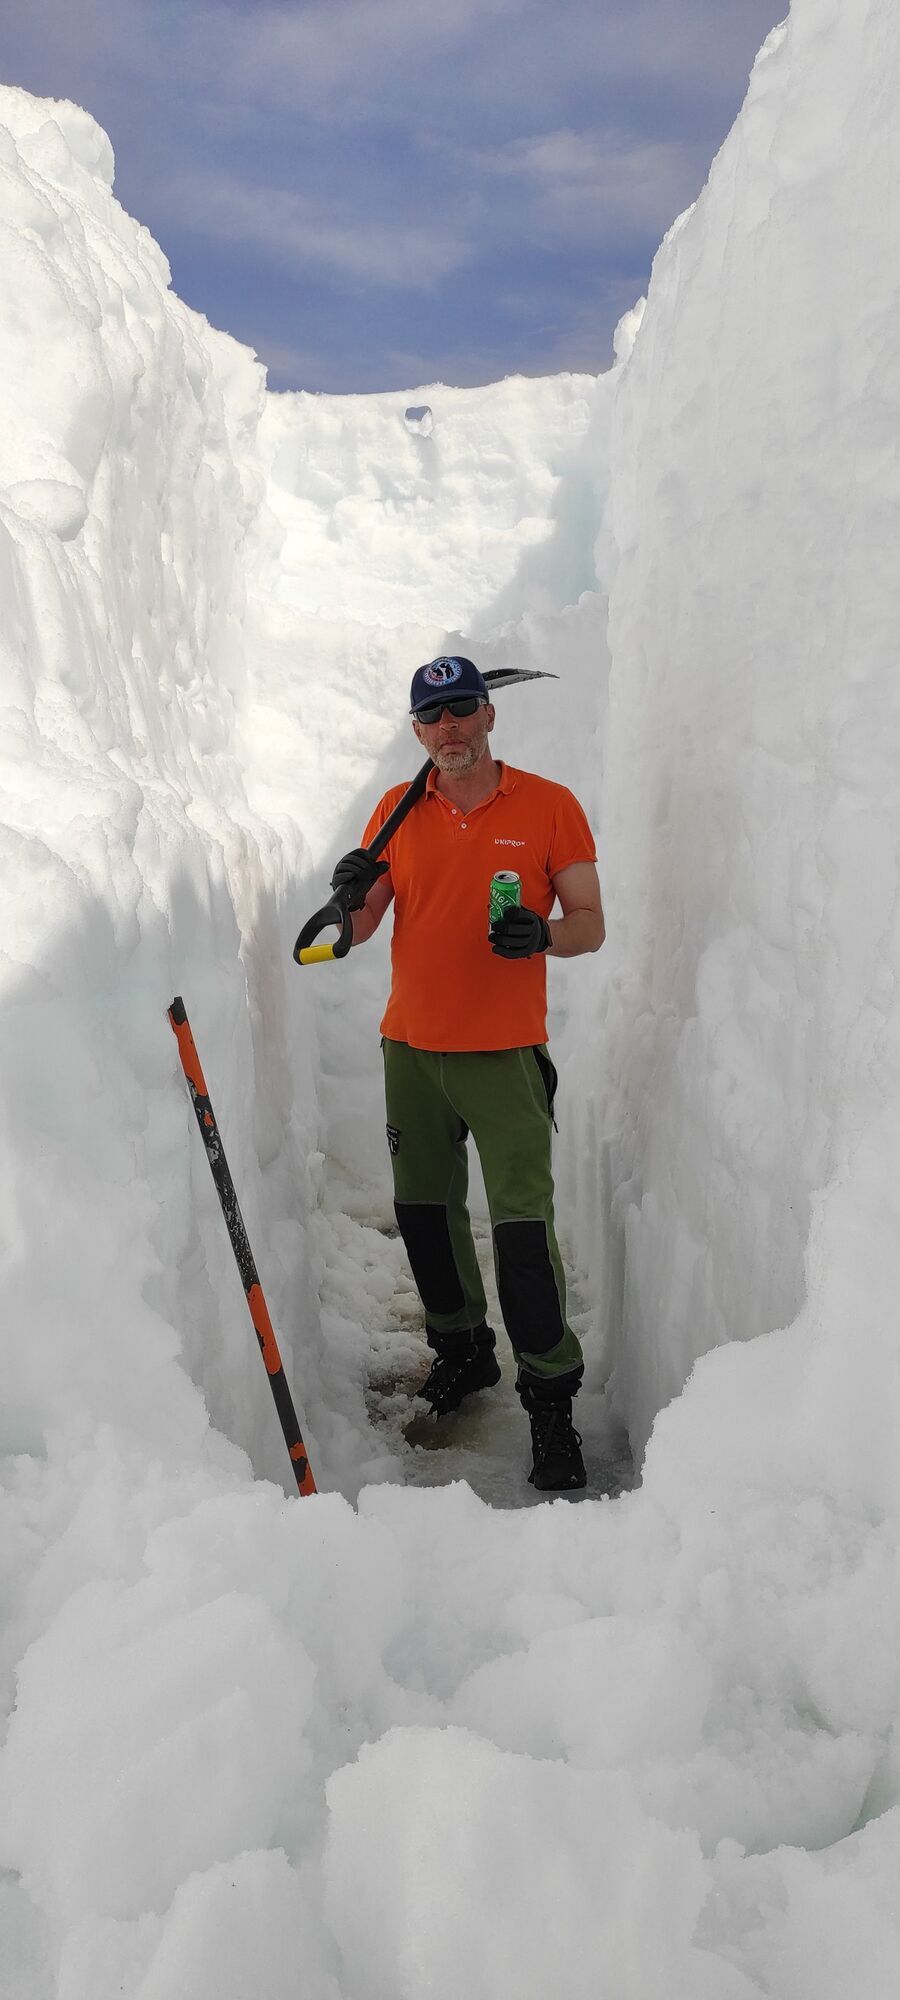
point(461, 706)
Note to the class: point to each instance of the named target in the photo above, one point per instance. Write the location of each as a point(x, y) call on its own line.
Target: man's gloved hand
point(357, 873)
point(519, 933)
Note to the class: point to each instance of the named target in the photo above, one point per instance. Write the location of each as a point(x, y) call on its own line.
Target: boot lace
point(552, 1429)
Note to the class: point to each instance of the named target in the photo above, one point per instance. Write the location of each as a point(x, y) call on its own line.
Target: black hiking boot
point(556, 1446)
point(464, 1362)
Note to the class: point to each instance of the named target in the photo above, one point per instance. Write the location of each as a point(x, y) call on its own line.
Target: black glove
point(357, 873)
point(519, 933)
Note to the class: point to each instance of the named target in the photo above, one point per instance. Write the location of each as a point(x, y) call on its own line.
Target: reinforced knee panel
point(526, 1283)
point(425, 1230)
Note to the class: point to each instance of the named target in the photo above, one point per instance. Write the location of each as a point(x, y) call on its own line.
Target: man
point(464, 1043)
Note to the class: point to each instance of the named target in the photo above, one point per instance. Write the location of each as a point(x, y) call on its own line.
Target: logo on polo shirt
point(500, 842)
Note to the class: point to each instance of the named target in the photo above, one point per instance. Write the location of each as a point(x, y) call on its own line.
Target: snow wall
point(241, 1723)
point(751, 779)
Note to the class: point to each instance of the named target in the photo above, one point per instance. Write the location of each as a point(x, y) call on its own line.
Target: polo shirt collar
point(506, 783)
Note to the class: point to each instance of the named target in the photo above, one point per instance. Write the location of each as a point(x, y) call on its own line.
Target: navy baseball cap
point(443, 678)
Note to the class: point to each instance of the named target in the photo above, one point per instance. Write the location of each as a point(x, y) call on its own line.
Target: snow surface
point(397, 1740)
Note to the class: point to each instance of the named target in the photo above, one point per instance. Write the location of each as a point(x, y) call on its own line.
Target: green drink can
point(505, 894)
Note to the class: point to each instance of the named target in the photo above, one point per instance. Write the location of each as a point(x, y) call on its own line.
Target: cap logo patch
point(442, 673)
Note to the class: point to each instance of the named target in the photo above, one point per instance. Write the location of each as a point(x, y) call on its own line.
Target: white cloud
point(457, 57)
point(350, 43)
point(449, 57)
point(294, 229)
point(619, 181)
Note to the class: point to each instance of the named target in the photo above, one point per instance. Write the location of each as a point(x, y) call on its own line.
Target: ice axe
point(306, 952)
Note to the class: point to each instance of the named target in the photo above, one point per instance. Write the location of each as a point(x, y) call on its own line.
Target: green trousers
point(504, 1097)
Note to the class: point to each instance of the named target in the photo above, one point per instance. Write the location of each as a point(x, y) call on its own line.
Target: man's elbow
point(591, 930)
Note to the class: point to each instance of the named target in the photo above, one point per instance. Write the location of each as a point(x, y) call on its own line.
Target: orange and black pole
point(234, 1222)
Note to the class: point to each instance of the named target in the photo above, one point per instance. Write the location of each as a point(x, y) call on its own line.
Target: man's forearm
point(581, 930)
point(364, 923)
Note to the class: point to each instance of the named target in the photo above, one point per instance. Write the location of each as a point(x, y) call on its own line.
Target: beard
point(459, 758)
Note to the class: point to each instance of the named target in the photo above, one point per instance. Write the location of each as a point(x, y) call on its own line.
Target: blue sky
point(379, 194)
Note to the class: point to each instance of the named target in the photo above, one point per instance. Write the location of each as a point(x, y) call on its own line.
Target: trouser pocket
point(549, 1078)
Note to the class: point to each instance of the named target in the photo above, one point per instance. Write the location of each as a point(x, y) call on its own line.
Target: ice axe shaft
point(234, 1222)
point(336, 912)
point(306, 951)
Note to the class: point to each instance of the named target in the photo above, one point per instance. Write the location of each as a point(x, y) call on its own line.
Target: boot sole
point(557, 1485)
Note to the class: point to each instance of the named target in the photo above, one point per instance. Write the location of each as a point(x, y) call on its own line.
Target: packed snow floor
point(486, 1441)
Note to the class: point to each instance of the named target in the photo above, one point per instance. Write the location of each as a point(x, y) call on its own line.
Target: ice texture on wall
point(133, 865)
point(751, 785)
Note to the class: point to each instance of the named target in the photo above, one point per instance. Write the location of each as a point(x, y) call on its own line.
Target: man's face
point(456, 743)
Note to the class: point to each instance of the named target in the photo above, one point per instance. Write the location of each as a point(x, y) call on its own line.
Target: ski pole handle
point(306, 952)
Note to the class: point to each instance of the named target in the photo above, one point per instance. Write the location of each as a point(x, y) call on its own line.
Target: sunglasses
point(461, 706)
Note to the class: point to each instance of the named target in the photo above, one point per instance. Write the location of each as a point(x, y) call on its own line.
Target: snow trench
point(251, 1739)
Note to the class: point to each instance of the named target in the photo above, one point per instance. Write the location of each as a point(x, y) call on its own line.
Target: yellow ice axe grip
point(307, 952)
point(315, 954)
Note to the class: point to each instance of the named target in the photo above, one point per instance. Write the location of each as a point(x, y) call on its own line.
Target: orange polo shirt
point(449, 990)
